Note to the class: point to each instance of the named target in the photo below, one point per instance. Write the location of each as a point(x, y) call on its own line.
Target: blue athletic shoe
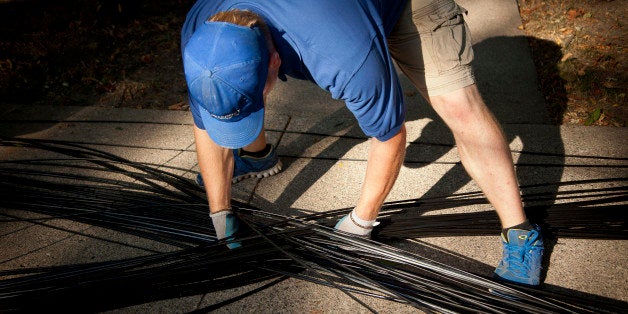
point(248, 166)
point(523, 252)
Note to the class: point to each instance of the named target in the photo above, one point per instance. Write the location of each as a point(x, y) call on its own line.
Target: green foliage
point(594, 116)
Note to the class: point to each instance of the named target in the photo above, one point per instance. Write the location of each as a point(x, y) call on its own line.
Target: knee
point(454, 111)
point(461, 108)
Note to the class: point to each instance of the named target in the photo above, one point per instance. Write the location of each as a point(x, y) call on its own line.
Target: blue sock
point(226, 225)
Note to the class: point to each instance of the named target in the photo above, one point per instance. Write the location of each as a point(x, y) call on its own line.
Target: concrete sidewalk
point(324, 154)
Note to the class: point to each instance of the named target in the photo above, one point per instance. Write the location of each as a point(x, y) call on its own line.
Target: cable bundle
point(155, 204)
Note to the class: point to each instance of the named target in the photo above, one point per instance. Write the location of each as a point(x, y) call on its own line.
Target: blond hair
point(243, 18)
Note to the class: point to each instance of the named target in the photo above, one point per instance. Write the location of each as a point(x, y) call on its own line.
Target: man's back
point(306, 32)
point(338, 44)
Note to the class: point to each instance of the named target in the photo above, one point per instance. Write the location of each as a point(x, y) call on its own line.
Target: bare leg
point(384, 162)
point(258, 144)
point(483, 150)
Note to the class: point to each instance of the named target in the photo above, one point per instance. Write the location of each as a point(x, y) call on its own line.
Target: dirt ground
point(590, 73)
point(126, 54)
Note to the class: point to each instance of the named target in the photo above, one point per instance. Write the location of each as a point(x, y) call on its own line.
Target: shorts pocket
point(450, 39)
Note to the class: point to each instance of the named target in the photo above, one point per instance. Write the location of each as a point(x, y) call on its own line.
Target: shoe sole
point(261, 174)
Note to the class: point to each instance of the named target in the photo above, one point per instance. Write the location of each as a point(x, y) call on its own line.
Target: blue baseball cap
point(226, 66)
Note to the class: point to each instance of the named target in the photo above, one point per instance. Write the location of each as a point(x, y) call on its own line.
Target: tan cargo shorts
point(431, 44)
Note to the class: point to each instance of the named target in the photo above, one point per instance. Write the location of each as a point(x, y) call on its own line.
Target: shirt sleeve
point(196, 116)
point(375, 97)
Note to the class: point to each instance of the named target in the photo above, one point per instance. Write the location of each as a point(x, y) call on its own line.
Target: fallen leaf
point(572, 14)
point(566, 31)
point(178, 106)
point(603, 47)
point(147, 59)
point(610, 84)
point(566, 57)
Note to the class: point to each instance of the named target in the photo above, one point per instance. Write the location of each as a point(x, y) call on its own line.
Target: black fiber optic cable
point(156, 205)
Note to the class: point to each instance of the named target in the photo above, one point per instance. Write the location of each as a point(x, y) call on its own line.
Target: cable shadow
point(333, 134)
point(13, 124)
point(442, 255)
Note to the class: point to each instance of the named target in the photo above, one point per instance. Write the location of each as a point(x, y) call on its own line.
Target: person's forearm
point(384, 161)
point(216, 168)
